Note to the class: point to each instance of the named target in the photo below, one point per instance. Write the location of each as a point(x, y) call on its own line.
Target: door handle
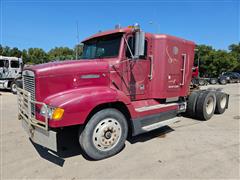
point(183, 69)
point(151, 67)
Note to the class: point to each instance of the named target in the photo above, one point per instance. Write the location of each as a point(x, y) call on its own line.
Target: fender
point(78, 103)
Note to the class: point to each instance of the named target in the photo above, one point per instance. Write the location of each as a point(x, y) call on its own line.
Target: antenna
point(77, 41)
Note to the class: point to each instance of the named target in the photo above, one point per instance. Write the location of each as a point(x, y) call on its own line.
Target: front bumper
point(4, 84)
point(37, 131)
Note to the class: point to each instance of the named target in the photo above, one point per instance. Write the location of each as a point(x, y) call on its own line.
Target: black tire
point(13, 87)
point(213, 81)
point(222, 102)
point(206, 104)
point(93, 145)
point(19, 83)
point(223, 81)
point(191, 104)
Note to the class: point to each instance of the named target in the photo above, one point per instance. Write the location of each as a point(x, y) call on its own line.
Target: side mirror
point(139, 44)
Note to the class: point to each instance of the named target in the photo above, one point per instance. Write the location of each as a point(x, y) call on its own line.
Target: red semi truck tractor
point(127, 82)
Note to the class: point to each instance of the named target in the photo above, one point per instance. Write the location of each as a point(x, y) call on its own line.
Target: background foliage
point(38, 55)
point(212, 62)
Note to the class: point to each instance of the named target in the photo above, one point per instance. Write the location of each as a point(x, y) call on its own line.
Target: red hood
point(69, 67)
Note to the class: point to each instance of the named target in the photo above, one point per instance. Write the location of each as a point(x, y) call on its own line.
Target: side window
point(4, 63)
point(131, 43)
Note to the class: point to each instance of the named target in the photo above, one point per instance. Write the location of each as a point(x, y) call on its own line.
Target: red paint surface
point(195, 72)
point(59, 84)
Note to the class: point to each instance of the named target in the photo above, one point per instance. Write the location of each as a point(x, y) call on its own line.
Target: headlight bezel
point(54, 113)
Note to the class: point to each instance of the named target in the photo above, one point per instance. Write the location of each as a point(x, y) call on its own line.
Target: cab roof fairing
point(110, 32)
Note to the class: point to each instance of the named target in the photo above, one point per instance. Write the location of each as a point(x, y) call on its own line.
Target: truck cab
point(10, 69)
point(126, 82)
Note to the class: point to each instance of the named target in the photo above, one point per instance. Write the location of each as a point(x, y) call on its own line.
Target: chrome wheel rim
point(210, 106)
point(223, 102)
point(107, 134)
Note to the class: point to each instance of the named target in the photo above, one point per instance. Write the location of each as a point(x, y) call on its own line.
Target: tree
point(15, 52)
point(5, 51)
point(37, 55)
point(78, 49)
point(61, 53)
point(203, 55)
point(235, 51)
point(214, 62)
point(25, 56)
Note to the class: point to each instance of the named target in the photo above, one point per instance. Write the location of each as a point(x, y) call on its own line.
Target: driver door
point(136, 71)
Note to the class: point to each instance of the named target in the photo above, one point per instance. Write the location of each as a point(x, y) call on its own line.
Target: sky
point(49, 23)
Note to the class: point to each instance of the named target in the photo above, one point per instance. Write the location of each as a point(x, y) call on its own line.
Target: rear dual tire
point(203, 104)
point(221, 104)
point(206, 104)
point(191, 104)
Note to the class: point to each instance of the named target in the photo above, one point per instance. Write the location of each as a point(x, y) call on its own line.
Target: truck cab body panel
point(140, 83)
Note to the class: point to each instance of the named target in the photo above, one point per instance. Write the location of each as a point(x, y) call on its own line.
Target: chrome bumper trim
point(37, 131)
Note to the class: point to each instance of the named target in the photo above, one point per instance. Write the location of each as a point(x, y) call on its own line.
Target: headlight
point(52, 112)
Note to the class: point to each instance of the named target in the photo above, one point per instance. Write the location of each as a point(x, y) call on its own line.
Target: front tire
point(13, 87)
point(105, 134)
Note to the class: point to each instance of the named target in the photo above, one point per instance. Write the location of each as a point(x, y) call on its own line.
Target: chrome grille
point(29, 85)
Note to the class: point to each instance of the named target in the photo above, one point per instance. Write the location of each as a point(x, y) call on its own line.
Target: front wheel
point(13, 87)
point(105, 134)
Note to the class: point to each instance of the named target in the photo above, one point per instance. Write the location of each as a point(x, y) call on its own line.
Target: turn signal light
point(57, 114)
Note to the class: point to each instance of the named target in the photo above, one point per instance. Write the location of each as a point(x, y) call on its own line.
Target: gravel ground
point(187, 149)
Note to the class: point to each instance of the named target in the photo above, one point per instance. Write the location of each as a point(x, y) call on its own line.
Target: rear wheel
point(221, 103)
point(191, 104)
point(105, 134)
point(206, 105)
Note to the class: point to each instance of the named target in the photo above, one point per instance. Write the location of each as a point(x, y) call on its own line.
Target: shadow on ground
point(5, 91)
point(69, 146)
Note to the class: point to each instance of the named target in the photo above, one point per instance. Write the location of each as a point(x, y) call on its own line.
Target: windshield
point(102, 47)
